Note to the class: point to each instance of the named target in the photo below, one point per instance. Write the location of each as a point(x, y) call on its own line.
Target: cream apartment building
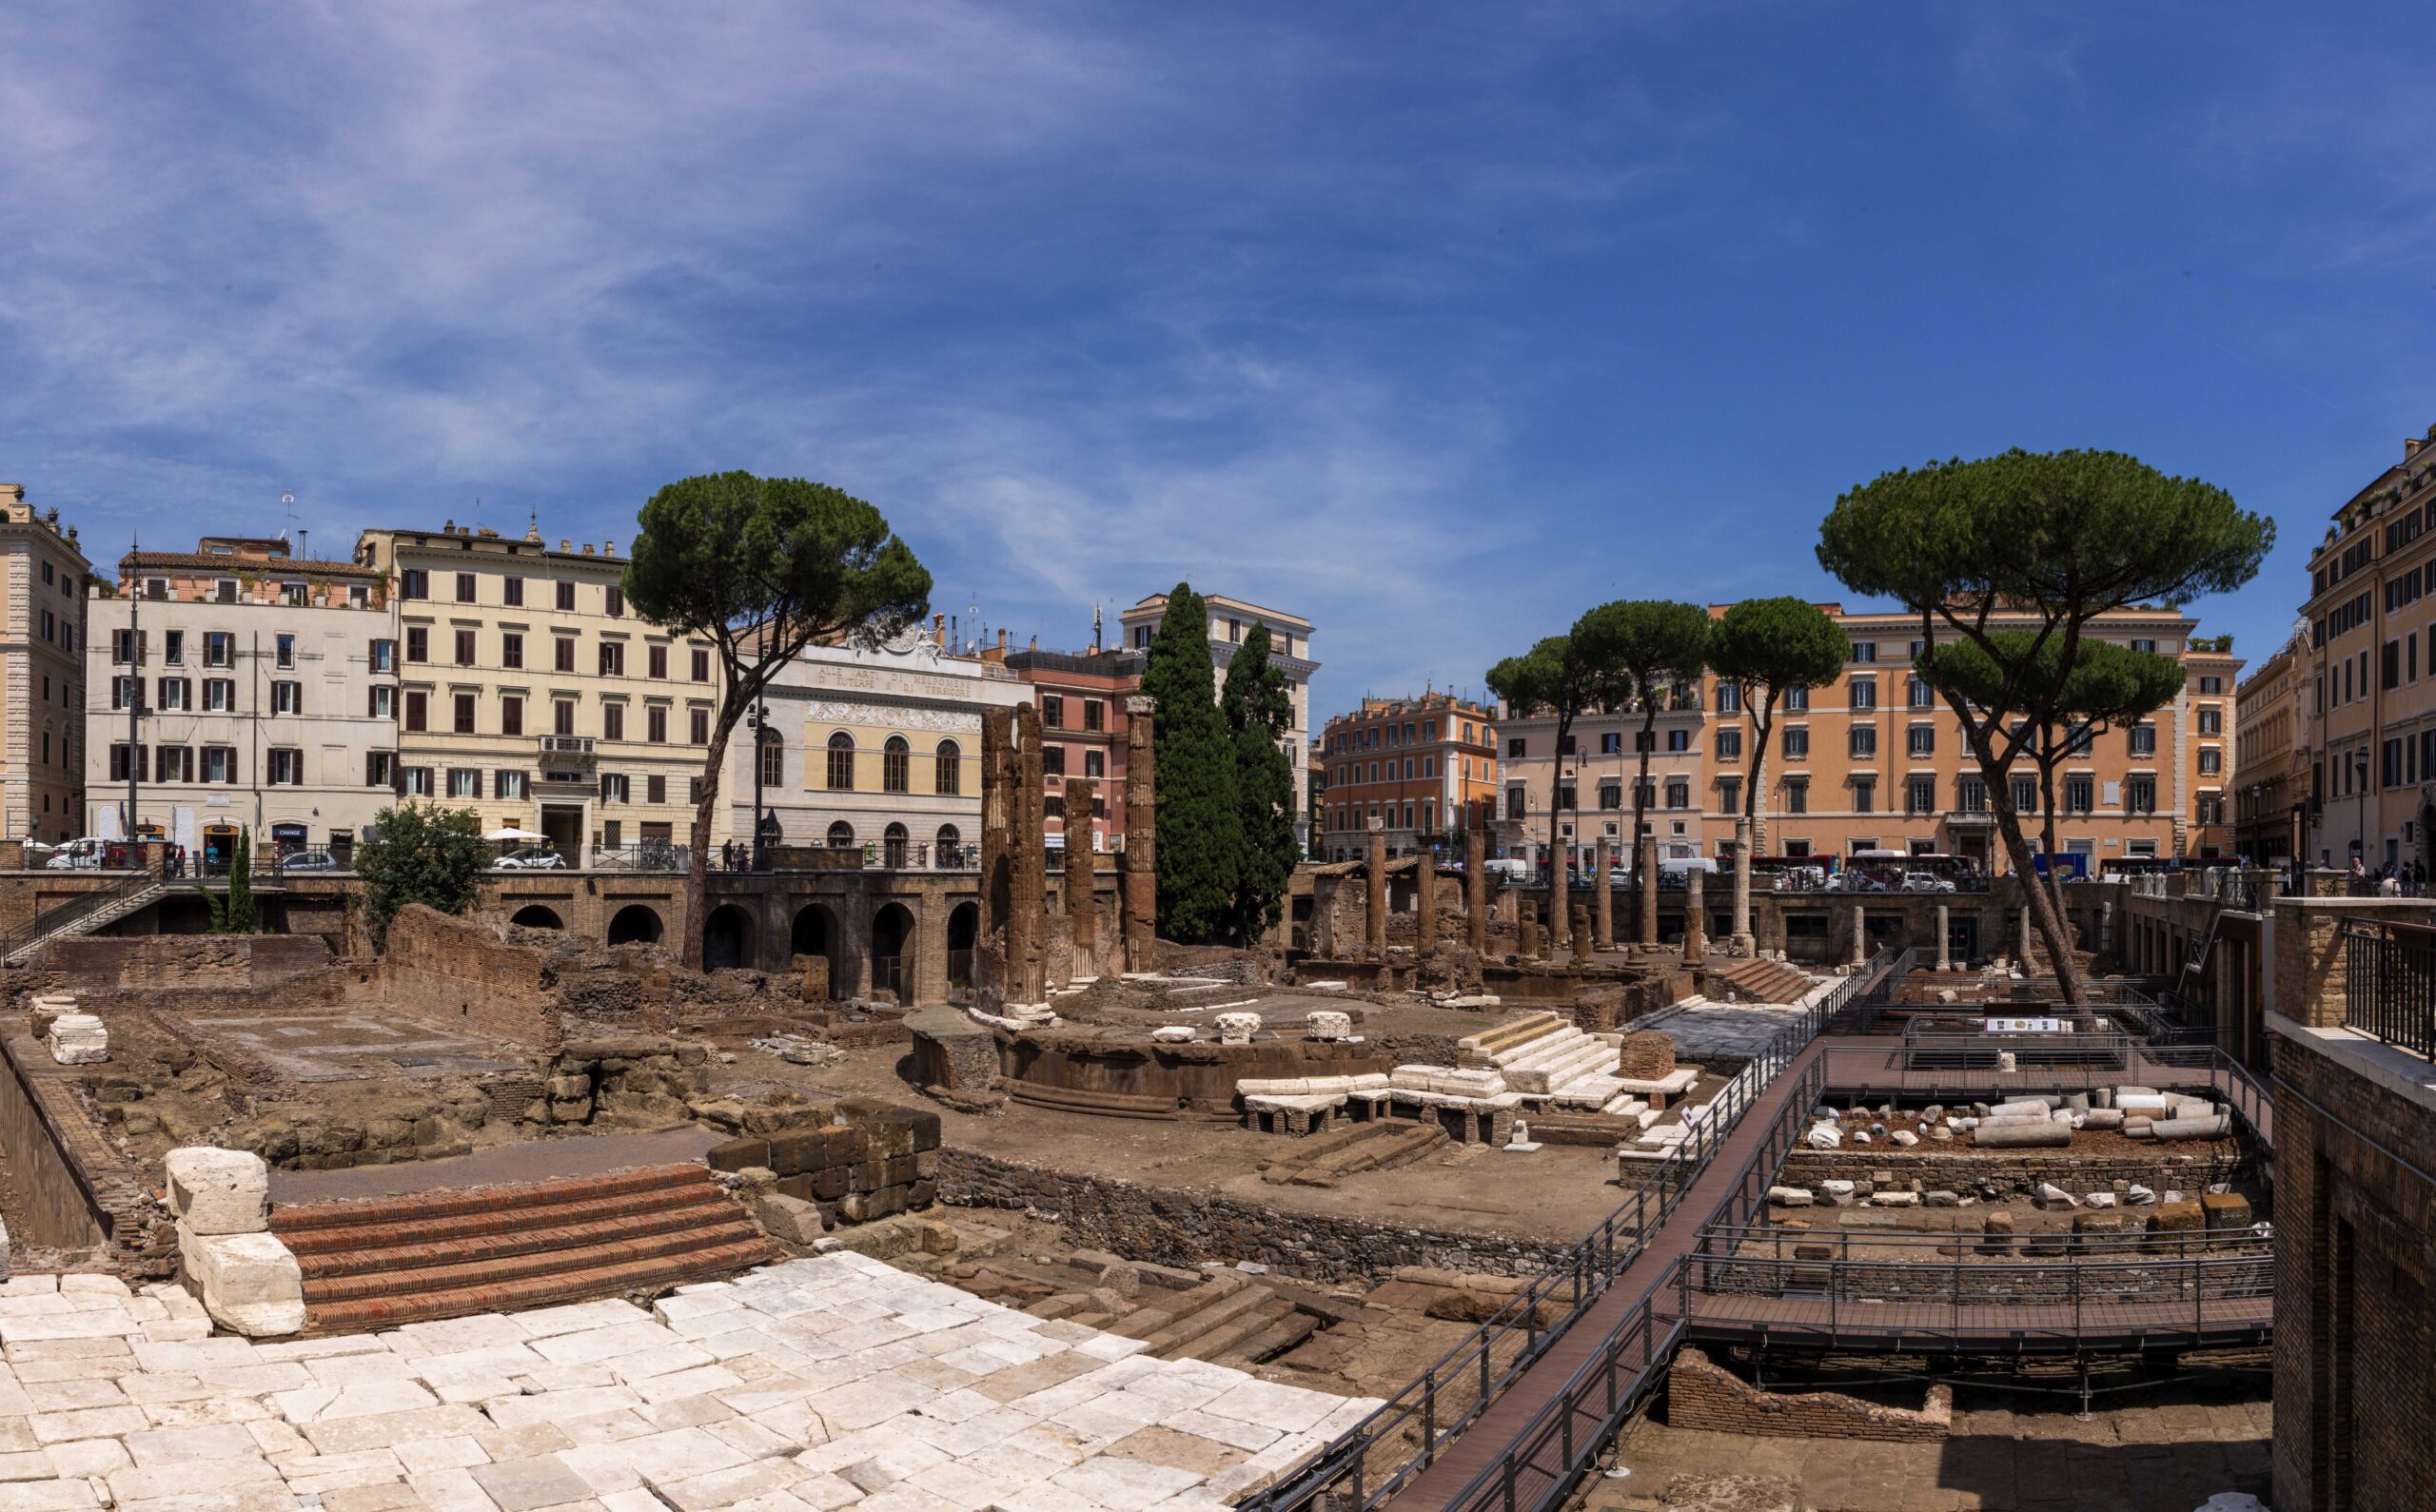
point(42, 672)
point(2370, 781)
point(530, 693)
point(1582, 792)
point(1289, 638)
point(878, 750)
point(236, 689)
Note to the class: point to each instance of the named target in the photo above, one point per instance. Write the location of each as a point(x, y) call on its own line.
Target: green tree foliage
point(763, 567)
point(1640, 650)
point(421, 852)
point(2061, 538)
point(1259, 710)
point(232, 912)
point(1554, 678)
point(1201, 835)
point(1766, 647)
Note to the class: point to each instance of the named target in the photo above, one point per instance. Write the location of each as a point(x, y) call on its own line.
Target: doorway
point(563, 824)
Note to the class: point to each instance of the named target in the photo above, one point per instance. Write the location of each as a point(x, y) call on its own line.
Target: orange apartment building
point(1874, 760)
point(2274, 736)
point(2370, 687)
point(1425, 769)
point(1081, 697)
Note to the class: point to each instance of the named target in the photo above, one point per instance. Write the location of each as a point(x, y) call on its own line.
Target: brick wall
point(456, 973)
point(184, 960)
point(1702, 1394)
point(2355, 1255)
point(74, 1189)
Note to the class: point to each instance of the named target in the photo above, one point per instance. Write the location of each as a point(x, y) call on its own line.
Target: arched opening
point(815, 934)
point(964, 926)
point(948, 768)
point(950, 848)
point(892, 950)
point(895, 764)
point(727, 937)
point(842, 836)
point(893, 844)
point(841, 762)
point(634, 924)
point(534, 916)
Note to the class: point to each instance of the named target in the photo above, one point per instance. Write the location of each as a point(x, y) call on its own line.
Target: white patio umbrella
point(512, 832)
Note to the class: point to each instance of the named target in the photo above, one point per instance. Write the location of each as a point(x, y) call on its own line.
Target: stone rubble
point(827, 1383)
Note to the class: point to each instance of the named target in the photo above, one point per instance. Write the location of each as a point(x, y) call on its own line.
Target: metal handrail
point(51, 921)
point(2389, 982)
point(1584, 1276)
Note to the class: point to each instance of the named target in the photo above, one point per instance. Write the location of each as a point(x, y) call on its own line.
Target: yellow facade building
point(42, 673)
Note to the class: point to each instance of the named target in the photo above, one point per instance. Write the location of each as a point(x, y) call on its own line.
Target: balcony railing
point(566, 748)
point(2389, 983)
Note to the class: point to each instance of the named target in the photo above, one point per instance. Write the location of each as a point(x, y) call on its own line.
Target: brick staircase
point(385, 1261)
point(96, 910)
point(1760, 981)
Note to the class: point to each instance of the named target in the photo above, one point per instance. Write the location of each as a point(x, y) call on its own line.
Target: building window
point(946, 768)
point(1729, 697)
point(1679, 792)
point(464, 648)
point(1864, 740)
point(1920, 795)
point(173, 648)
point(219, 648)
point(2210, 687)
point(1053, 760)
point(285, 697)
point(1611, 794)
point(562, 716)
point(1864, 651)
point(841, 762)
point(173, 693)
point(413, 583)
point(2211, 759)
point(219, 695)
point(1970, 795)
point(842, 836)
point(613, 721)
point(380, 769)
point(1729, 795)
point(1515, 748)
point(507, 784)
point(1517, 802)
point(1796, 794)
point(1864, 692)
point(1922, 739)
point(896, 765)
point(2080, 794)
point(655, 663)
point(655, 788)
point(613, 659)
point(1095, 763)
point(415, 782)
point(655, 724)
point(511, 716)
point(2025, 793)
point(418, 645)
point(2211, 808)
point(283, 650)
point(566, 597)
point(218, 763)
point(1796, 700)
point(1864, 796)
point(418, 710)
point(563, 653)
point(511, 649)
point(1729, 744)
point(613, 787)
point(614, 601)
point(1797, 742)
point(464, 587)
point(773, 756)
point(511, 591)
point(1920, 695)
point(2140, 794)
point(1095, 713)
point(2211, 721)
point(701, 664)
point(464, 782)
point(698, 726)
point(384, 655)
point(1678, 740)
point(1052, 712)
point(462, 713)
point(2143, 737)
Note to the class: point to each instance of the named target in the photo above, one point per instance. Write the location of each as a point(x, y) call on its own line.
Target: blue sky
point(1435, 324)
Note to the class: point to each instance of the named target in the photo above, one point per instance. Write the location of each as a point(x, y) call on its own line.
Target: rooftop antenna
point(287, 503)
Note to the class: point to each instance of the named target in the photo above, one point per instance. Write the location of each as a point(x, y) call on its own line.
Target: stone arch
point(634, 924)
point(946, 846)
point(946, 767)
point(897, 765)
point(842, 836)
point(840, 775)
point(538, 916)
point(815, 933)
point(727, 938)
point(964, 928)
point(894, 843)
point(892, 950)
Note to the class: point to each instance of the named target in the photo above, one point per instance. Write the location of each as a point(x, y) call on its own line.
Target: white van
point(1509, 869)
point(83, 854)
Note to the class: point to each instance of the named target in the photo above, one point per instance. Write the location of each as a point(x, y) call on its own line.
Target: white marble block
point(1329, 1024)
point(1237, 1029)
point(79, 1039)
point(218, 1192)
point(250, 1283)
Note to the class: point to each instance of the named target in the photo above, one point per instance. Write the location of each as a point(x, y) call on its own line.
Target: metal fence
point(2389, 983)
point(52, 920)
point(1366, 1465)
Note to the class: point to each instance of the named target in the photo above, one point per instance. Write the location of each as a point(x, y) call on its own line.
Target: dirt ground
point(2165, 1450)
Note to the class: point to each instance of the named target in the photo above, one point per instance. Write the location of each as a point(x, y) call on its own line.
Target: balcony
point(1968, 818)
point(563, 751)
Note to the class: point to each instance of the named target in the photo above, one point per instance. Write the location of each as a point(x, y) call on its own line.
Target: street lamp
point(758, 722)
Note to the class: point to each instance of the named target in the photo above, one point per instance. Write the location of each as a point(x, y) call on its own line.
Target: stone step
point(1169, 1343)
point(570, 1259)
point(1267, 1313)
point(291, 1220)
point(1512, 1033)
point(683, 1224)
point(1271, 1341)
point(476, 1227)
point(655, 1274)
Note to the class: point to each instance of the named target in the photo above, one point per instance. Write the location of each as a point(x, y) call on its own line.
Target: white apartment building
point(1289, 638)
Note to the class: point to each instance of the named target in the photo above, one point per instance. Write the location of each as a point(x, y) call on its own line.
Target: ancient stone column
point(2023, 954)
point(1560, 881)
point(1476, 889)
point(1528, 931)
point(998, 803)
point(1374, 931)
point(1647, 866)
point(1082, 913)
point(1695, 922)
point(1141, 882)
point(1861, 937)
point(1945, 960)
point(1425, 885)
point(1606, 935)
point(1742, 942)
point(1028, 889)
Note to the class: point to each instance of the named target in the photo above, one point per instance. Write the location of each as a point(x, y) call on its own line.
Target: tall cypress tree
point(1200, 831)
point(1259, 710)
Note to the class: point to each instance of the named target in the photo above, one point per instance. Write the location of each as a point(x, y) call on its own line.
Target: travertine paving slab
point(836, 1382)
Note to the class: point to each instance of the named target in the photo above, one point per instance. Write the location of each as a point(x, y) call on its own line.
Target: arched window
point(895, 764)
point(949, 777)
point(842, 836)
point(951, 846)
point(892, 845)
point(841, 762)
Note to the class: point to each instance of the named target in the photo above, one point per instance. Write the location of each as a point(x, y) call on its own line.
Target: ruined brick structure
point(1702, 1394)
point(1082, 917)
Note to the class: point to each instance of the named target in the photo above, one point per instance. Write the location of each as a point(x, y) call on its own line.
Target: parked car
point(1926, 882)
point(308, 861)
point(531, 858)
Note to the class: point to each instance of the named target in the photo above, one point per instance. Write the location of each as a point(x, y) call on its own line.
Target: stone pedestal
point(1476, 890)
point(79, 1039)
point(1606, 895)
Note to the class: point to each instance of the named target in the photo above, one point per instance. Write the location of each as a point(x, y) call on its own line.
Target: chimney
point(608, 548)
point(939, 631)
point(587, 548)
point(1002, 641)
point(2411, 446)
